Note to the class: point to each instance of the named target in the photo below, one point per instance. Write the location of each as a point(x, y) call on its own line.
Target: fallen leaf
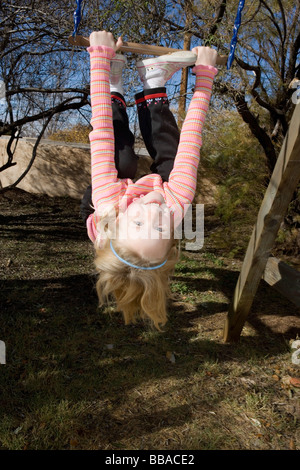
point(73, 443)
point(286, 380)
point(170, 356)
point(248, 382)
point(18, 429)
point(292, 445)
point(256, 422)
point(295, 382)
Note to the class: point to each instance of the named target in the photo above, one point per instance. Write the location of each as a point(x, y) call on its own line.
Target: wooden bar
point(283, 183)
point(283, 278)
point(145, 49)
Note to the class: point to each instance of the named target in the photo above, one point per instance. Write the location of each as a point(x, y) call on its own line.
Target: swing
point(82, 41)
point(138, 48)
point(237, 24)
point(145, 49)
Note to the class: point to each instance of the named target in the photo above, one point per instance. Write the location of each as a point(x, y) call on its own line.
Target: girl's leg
point(157, 123)
point(125, 158)
point(159, 129)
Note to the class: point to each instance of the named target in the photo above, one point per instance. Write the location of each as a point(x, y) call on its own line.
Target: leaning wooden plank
point(139, 48)
point(283, 183)
point(283, 278)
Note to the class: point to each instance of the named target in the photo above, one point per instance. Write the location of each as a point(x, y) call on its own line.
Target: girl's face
point(146, 227)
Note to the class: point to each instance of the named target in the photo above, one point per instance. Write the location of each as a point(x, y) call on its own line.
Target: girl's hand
point(205, 55)
point(103, 38)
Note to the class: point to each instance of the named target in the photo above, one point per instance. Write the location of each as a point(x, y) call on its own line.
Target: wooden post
point(283, 183)
point(283, 278)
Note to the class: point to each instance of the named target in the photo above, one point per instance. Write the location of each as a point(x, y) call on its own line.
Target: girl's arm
point(181, 186)
point(106, 187)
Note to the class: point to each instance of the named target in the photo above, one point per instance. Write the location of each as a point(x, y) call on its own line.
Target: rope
point(237, 24)
point(77, 17)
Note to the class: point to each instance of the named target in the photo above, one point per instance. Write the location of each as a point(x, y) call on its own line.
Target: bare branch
point(219, 17)
point(47, 90)
point(33, 156)
point(61, 107)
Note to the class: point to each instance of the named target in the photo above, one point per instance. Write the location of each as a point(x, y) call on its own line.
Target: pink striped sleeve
point(181, 186)
point(106, 187)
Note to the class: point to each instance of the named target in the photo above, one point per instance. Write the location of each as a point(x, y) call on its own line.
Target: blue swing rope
point(237, 24)
point(77, 17)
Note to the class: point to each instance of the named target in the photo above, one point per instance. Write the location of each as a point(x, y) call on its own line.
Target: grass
point(77, 378)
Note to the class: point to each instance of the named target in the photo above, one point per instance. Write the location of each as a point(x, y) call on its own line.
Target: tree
point(266, 62)
point(266, 58)
point(42, 73)
point(36, 70)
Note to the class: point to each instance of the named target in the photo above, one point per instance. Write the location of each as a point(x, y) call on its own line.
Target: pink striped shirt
point(110, 191)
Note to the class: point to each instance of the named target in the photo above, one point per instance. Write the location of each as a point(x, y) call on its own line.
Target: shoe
point(165, 66)
point(116, 66)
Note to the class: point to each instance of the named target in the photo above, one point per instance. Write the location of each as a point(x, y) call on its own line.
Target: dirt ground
point(180, 389)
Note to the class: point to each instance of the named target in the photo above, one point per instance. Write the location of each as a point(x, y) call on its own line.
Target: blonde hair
point(138, 293)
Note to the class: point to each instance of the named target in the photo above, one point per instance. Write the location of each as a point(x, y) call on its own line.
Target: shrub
point(78, 133)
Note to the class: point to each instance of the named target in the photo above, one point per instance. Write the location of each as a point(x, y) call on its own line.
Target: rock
point(296, 354)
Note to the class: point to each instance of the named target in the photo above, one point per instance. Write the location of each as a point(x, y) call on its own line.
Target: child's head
point(135, 265)
point(146, 228)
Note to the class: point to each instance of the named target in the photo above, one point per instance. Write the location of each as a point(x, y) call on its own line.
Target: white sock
point(117, 87)
point(116, 70)
point(154, 78)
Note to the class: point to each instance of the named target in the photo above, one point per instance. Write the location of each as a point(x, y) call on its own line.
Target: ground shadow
point(62, 348)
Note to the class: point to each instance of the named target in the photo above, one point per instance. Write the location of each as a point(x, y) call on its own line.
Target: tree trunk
point(185, 71)
point(184, 83)
point(256, 130)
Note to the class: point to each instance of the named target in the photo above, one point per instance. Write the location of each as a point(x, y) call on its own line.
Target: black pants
point(159, 131)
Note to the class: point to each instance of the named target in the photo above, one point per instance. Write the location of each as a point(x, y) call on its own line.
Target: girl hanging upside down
point(132, 224)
